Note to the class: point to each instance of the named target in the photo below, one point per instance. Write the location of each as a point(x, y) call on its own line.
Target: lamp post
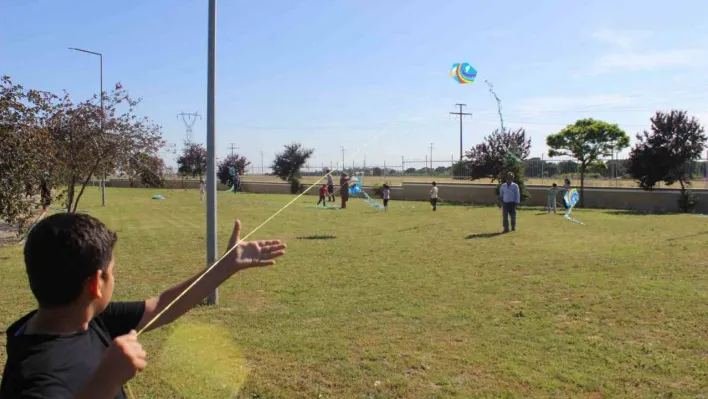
point(103, 178)
point(213, 298)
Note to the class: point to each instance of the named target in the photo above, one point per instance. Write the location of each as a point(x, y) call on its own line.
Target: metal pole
point(213, 298)
point(103, 179)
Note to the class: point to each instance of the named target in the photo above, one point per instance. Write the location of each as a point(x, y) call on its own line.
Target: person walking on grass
point(344, 189)
point(386, 196)
point(434, 196)
point(78, 343)
point(330, 185)
point(202, 189)
point(510, 197)
point(323, 195)
point(552, 194)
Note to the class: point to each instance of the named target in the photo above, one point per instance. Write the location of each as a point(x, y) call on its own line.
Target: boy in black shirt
point(79, 344)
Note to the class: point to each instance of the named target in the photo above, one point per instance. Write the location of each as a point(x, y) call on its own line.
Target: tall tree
point(193, 161)
point(665, 153)
point(25, 150)
point(150, 169)
point(500, 153)
point(587, 140)
point(288, 163)
point(89, 138)
point(223, 170)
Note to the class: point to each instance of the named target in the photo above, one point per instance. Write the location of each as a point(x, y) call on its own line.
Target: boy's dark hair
point(434, 184)
point(555, 185)
point(61, 252)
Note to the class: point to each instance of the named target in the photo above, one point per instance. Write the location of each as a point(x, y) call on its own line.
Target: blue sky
point(340, 73)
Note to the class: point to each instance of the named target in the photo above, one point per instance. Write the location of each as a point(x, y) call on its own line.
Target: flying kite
point(355, 189)
point(463, 73)
point(571, 197)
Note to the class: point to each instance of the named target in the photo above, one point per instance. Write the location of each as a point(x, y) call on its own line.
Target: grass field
point(412, 303)
point(398, 180)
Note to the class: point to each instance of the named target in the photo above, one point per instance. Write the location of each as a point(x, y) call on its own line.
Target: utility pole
point(342, 158)
point(262, 172)
point(232, 148)
point(103, 175)
point(460, 114)
point(213, 297)
point(431, 155)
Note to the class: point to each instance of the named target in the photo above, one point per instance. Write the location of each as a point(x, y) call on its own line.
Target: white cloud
point(636, 61)
point(533, 107)
point(621, 38)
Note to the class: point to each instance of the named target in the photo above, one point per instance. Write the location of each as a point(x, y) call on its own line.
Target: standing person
point(344, 189)
point(330, 185)
point(80, 344)
point(434, 196)
point(552, 194)
point(46, 194)
point(566, 188)
point(386, 196)
point(323, 195)
point(510, 197)
point(202, 189)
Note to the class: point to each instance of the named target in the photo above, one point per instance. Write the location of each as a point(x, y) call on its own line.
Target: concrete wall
point(661, 200)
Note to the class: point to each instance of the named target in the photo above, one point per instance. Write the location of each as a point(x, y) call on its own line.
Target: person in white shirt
point(510, 197)
point(202, 188)
point(330, 186)
point(434, 196)
point(386, 196)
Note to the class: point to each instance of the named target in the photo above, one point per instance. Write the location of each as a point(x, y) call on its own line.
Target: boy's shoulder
point(49, 365)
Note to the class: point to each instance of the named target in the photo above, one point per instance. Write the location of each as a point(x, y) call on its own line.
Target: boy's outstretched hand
point(252, 253)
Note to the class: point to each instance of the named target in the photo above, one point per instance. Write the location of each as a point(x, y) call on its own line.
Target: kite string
point(201, 276)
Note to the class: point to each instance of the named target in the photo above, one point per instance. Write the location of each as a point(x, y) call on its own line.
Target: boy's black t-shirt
point(54, 366)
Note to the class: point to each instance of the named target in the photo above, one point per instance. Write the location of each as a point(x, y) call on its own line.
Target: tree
point(149, 168)
point(193, 161)
point(587, 140)
point(377, 171)
point(223, 170)
point(664, 153)
point(25, 150)
point(500, 153)
point(88, 138)
point(288, 163)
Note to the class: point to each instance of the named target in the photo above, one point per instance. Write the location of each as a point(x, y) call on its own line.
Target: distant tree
point(377, 171)
point(151, 170)
point(664, 153)
point(441, 169)
point(500, 153)
point(90, 138)
point(223, 170)
point(587, 140)
point(411, 170)
point(193, 161)
point(288, 163)
point(597, 167)
point(25, 150)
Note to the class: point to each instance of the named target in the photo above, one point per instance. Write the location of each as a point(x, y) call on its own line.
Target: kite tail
point(372, 202)
point(567, 216)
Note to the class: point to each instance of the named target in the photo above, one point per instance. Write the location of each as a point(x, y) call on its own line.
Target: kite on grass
point(571, 198)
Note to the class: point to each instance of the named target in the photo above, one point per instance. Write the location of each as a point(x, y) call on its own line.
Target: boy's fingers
point(235, 235)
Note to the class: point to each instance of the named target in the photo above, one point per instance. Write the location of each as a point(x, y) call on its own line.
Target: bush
point(687, 201)
point(294, 185)
point(378, 188)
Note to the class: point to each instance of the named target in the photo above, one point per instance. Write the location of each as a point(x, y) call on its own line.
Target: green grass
point(412, 303)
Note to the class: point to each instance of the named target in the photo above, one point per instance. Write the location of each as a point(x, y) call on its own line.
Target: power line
point(232, 148)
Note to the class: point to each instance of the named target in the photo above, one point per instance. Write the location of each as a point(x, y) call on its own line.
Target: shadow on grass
point(483, 235)
point(317, 237)
point(688, 236)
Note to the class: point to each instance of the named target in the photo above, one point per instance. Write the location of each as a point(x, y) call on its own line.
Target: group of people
point(553, 195)
point(327, 192)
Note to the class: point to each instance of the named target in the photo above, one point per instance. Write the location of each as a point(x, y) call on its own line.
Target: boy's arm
point(248, 254)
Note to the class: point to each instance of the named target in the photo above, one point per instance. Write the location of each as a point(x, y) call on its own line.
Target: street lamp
point(103, 178)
